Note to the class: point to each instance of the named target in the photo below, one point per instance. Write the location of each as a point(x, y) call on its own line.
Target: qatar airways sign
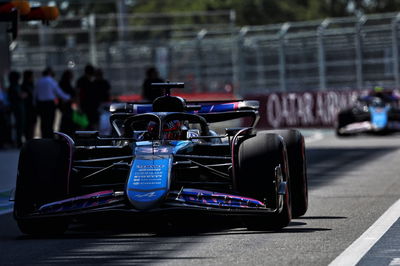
point(302, 109)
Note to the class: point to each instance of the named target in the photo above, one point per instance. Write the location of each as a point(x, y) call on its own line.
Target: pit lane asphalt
point(352, 182)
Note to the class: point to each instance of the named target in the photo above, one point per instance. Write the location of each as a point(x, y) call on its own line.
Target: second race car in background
point(376, 113)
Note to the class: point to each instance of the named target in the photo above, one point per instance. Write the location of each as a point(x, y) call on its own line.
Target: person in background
point(27, 87)
point(5, 123)
point(17, 96)
point(103, 89)
point(45, 93)
point(102, 86)
point(148, 93)
point(67, 126)
point(85, 90)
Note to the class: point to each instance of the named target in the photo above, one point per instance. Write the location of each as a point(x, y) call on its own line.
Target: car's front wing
point(185, 200)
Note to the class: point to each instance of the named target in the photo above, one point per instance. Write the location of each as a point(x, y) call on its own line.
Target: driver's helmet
point(174, 130)
point(377, 102)
point(378, 91)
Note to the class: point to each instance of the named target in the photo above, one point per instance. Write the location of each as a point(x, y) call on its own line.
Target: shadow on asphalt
point(124, 243)
point(326, 164)
point(322, 217)
point(162, 228)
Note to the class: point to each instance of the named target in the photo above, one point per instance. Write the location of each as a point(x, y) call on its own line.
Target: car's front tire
point(43, 227)
point(42, 178)
point(343, 119)
point(258, 158)
point(295, 146)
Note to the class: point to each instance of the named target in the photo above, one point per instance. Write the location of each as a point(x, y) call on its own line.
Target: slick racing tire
point(43, 227)
point(343, 119)
point(295, 147)
point(258, 158)
point(42, 178)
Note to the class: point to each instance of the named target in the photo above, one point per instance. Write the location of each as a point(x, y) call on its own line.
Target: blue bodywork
point(149, 178)
point(379, 116)
point(149, 168)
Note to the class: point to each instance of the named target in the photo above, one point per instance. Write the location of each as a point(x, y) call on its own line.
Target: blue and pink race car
point(165, 158)
point(377, 112)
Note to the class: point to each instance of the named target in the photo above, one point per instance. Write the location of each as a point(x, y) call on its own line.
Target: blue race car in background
point(163, 158)
point(378, 112)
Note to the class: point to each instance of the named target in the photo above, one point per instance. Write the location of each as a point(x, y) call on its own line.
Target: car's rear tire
point(43, 177)
point(295, 147)
point(257, 159)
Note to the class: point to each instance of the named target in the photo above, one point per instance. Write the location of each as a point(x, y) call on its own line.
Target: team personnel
point(27, 88)
point(87, 95)
point(148, 93)
point(45, 93)
point(67, 125)
point(16, 97)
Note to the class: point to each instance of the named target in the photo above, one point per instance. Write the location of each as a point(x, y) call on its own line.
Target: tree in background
point(249, 12)
point(260, 12)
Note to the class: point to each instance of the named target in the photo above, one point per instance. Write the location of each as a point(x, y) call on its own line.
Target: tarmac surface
point(352, 182)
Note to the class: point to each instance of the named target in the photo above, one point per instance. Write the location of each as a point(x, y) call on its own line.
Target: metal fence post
point(122, 39)
point(199, 59)
point(321, 54)
point(92, 39)
point(282, 57)
point(43, 44)
point(395, 47)
point(259, 65)
point(238, 62)
point(359, 57)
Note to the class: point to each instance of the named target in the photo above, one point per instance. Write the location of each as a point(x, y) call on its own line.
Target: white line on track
point(354, 253)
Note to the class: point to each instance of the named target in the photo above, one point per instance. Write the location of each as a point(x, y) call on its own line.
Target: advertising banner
point(302, 109)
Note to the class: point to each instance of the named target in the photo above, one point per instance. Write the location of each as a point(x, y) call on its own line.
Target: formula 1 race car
point(370, 114)
point(163, 158)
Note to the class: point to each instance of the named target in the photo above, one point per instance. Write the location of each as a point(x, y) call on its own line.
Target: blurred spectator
point(103, 88)
point(87, 96)
point(17, 96)
point(29, 109)
point(5, 123)
point(148, 93)
point(67, 126)
point(45, 93)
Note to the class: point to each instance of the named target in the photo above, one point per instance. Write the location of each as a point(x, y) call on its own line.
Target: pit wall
point(302, 109)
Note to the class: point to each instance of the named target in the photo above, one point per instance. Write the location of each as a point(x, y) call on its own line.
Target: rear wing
point(212, 111)
point(198, 107)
